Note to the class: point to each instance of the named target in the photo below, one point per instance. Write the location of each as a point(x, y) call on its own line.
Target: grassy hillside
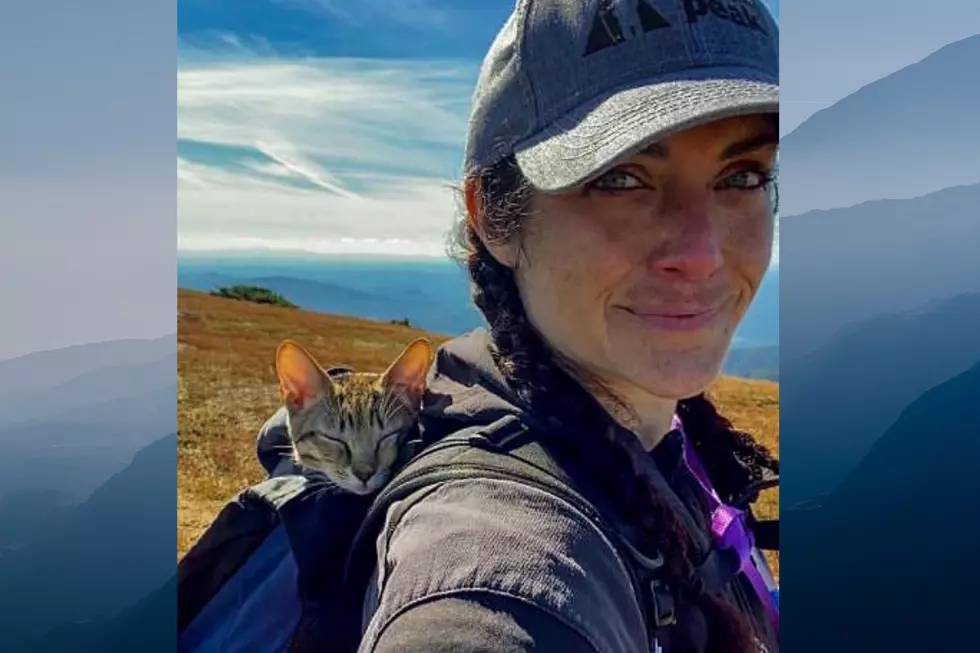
point(226, 390)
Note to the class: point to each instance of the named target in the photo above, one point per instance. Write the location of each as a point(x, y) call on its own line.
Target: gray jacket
point(494, 566)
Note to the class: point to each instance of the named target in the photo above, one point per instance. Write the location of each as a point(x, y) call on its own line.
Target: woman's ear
point(473, 194)
point(505, 252)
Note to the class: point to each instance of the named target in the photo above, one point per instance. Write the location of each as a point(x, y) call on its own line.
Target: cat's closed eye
point(333, 447)
point(387, 440)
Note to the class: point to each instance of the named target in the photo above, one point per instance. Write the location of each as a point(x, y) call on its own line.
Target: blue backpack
point(284, 567)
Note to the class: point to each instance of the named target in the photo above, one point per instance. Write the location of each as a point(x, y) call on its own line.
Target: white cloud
point(361, 111)
point(219, 210)
point(335, 154)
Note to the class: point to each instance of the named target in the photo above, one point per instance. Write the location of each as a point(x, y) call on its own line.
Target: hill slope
point(868, 373)
point(888, 255)
point(901, 527)
point(98, 557)
point(147, 627)
point(227, 389)
point(907, 134)
point(46, 369)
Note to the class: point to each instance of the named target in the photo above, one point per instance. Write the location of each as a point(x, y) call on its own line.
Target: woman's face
point(642, 275)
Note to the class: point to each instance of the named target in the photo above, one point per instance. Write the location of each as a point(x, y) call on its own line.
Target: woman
point(618, 222)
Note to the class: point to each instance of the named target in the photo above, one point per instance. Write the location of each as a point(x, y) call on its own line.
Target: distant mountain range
point(108, 382)
point(837, 401)
point(888, 560)
point(879, 226)
point(71, 418)
point(908, 134)
point(46, 369)
point(97, 558)
point(884, 256)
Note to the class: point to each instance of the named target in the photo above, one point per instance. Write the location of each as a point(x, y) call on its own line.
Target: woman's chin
point(674, 377)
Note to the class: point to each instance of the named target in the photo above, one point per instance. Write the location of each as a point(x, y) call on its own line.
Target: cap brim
point(594, 137)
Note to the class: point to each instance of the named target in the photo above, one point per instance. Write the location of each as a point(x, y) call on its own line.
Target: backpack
point(285, 566)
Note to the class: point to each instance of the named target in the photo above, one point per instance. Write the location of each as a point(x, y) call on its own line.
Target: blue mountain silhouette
point(71, 417)
point(107, 382)
point(100, 557)
point(147, 627)
point(836, 402)
point(878, 257)
point(46, 369)
point(907, 134)
point(888, 561)
point(75, 452)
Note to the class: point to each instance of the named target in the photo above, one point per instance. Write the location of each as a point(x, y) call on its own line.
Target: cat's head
point(349, 427)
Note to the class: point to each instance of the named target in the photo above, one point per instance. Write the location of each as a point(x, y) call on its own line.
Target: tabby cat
point(349, 426)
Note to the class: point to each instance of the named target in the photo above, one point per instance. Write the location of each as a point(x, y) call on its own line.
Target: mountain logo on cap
point(617, 22)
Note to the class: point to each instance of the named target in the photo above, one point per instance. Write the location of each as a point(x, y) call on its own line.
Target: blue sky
point(327, 126)
point(87, 199)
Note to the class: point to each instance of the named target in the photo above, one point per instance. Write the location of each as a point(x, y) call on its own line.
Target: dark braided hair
point(543, 381)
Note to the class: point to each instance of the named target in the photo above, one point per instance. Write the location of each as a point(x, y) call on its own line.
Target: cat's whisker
point(390, 404)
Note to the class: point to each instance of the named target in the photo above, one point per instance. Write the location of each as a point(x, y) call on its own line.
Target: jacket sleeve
point(479, 622)
point(486, 565)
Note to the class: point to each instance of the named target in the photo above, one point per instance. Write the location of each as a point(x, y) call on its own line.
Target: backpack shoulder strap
point(508, 450)
point(505, 449)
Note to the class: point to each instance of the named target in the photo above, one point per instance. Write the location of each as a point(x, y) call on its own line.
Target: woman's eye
point(748, 180)
point(616, 180)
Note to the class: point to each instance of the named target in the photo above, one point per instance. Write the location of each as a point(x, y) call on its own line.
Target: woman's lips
point(688, 319)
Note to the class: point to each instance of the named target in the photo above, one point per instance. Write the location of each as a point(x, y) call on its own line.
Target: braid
point(542, 382)
point(732, 458)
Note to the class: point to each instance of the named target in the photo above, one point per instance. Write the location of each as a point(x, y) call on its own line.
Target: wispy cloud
point(330, 153)
point(229, 211)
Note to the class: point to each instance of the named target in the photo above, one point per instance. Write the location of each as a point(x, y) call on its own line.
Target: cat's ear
point(300, 378)
point(406, 375)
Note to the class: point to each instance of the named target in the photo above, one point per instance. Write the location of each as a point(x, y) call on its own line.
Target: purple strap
point(728, 528)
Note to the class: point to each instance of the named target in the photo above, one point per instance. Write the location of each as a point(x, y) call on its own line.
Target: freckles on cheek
point(751, 239)
point(579, 250)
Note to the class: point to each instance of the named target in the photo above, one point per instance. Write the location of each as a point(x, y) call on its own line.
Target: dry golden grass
point(227, 389)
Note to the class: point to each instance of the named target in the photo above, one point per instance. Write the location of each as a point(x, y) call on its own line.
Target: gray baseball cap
point(571, 87)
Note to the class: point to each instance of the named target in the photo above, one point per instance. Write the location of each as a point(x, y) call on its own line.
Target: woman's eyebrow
point(744, 146)
point(738, 148)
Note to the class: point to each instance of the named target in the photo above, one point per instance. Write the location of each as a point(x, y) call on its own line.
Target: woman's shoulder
point(501, 538)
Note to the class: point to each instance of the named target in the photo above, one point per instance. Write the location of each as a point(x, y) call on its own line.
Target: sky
point(87, 189)
point(325, 126)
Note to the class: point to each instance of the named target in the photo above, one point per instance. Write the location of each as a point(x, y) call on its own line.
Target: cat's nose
point(363, 474)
